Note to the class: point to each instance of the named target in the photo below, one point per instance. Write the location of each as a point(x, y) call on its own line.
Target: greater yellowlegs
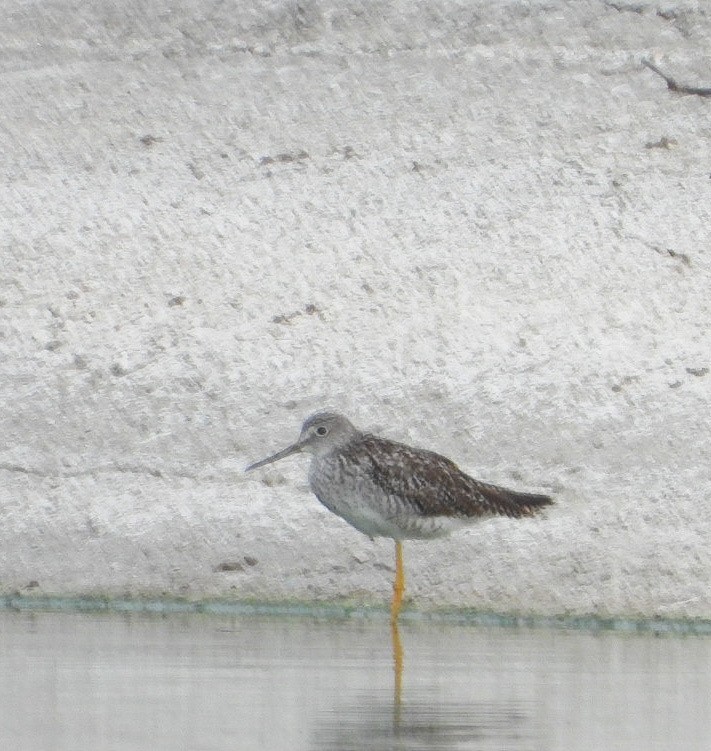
point(388, 489)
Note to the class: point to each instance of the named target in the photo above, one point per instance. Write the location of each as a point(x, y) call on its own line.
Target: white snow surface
point(481, 228)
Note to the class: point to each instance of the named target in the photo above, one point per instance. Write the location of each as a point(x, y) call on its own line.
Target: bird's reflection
point(422, 719)
point(397, 672)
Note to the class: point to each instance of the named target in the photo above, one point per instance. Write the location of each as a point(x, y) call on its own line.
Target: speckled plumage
point(388, 489)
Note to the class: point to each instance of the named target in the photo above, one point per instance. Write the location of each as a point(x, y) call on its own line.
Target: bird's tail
point(532, 503)
point(512, 502)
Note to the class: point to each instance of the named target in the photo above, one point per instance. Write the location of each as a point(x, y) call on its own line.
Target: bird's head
point(320, 434)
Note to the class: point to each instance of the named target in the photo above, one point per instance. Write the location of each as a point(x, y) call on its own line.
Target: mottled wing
point(434, 486)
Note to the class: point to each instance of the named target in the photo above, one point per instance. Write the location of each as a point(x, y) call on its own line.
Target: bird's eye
point(321, 430)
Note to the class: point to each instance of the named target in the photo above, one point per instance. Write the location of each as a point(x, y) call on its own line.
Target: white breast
point(365, 506)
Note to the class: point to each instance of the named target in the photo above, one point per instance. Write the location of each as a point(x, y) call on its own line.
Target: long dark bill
point(275, 458)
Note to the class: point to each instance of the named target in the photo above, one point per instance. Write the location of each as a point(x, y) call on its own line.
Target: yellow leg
point(399, 585)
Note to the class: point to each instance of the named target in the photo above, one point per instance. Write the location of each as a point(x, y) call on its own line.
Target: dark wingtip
point(538, 499)
point(534, 502)
point(517, 504)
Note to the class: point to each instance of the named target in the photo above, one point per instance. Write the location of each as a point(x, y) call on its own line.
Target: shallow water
point(111, 681)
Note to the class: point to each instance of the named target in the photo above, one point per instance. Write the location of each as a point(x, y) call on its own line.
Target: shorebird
point(388, 489)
